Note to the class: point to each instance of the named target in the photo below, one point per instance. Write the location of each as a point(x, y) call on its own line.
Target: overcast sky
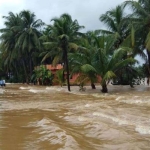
point(87, 12)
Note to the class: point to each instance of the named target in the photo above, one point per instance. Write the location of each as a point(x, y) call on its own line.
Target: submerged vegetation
point(27, 42)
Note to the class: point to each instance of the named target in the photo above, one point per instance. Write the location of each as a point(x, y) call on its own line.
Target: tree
point(42, 75)
point(8, 45)
point(20, 40)
point(117, 24)
point(106, 64)
point(28, 39)
point(81, 60)
point(141, 23)
point(63, 33)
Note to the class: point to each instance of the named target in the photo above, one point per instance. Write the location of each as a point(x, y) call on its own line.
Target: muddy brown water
point(50, 118)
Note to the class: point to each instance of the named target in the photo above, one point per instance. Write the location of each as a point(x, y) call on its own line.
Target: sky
point(87, 12)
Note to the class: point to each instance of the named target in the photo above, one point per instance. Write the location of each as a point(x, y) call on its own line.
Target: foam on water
point(54, 88)
point(24, 88)
point(51, 132)
point(57, 88)
point(2, 91)
point(97, 95)
point(115, 119)
point(142, 129)
point(38, 91)
point(80, 118)
point(78, 93)
point(33, 91)
point(120, 97)
point(87, 105)
point(134, 100)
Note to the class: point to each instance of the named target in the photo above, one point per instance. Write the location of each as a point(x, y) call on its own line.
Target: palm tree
point(63, 34)
point(117, 24)
point(20, 40)
point(28, 40)
point(106, 64)
point(141, 23)
point(8, 37)
point(81, 60)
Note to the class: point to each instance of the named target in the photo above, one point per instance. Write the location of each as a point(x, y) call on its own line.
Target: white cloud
point(87, 12)
point(7, 6)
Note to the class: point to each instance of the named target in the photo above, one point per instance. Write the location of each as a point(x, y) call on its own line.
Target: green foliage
point(105, 53)
point(20, 43)
point(59, 77)
point(43, 75)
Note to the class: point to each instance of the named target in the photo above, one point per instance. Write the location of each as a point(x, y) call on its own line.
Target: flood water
point(50, 118)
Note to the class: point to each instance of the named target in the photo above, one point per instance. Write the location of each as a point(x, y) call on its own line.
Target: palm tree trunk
point(25, 71)
point(104, 87)
point(148, 54)
point(67, 68)
point(93, 86)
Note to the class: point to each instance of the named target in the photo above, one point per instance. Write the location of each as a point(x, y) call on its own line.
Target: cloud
point(7, 6)
point(87, 12)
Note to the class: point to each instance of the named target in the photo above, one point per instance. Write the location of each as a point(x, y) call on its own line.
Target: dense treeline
point(26, 42)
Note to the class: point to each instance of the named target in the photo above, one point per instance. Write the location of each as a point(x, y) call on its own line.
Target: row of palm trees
point(27, 42)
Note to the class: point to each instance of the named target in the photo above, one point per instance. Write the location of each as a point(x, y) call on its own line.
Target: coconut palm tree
point(106, 64)
point(20, 40)
point(10, 53)
point(63, 34)
point(28, 40)
point(117, 24)
point(141, 23)
point(81, 61)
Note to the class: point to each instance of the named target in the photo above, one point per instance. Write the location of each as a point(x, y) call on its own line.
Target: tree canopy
point(27, 42)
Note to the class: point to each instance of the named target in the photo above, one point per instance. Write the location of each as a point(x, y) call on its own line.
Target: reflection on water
point(43, 118)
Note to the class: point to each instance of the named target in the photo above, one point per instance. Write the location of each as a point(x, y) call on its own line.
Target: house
point(72, 78)
point(54, 69)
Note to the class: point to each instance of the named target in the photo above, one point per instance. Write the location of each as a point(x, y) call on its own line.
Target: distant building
point(53, 69)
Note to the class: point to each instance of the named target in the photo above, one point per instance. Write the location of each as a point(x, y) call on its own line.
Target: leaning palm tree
point(63, 34)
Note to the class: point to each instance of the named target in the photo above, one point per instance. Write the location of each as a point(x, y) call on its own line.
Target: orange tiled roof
point(57, 67)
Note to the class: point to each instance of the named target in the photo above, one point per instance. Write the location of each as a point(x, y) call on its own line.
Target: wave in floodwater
point(24, 88)
point(49, 131)
point(134, 100)
point(2, 91)
point(143, 129)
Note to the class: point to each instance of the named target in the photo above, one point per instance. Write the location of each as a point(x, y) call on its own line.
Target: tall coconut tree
point(141, 22)
point(63, 34)
point(20, 39)
point(116, 23)
point(28, 39)
point(119, 25)
point(8, 37)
